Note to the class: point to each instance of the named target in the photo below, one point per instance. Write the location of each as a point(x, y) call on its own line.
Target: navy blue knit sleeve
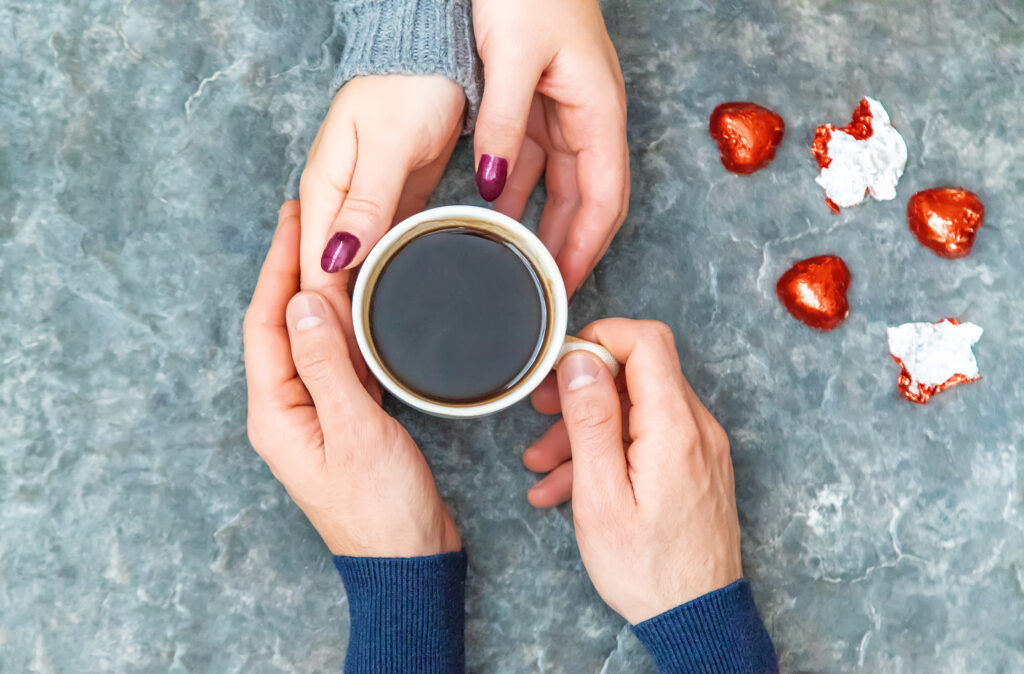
point(407, 614)
point(717, 633)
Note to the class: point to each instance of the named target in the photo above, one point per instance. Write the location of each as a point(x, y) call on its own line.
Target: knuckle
point(685, 425)
point(606, 204)
point(560, 200)
point(307, 182)
point(579, 246)
point(690, 442)
point(677, 447)
point(592, 418)
point(503, 124)
point(658, 330)
point(252, 325)
point(313, 363)
point(717, 438)
point(261, 438)
point(362, 207)
point(317, 179)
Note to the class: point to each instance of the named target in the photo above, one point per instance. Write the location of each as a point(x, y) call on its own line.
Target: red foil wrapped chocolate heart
point(945, 219)
point(747, 135)
point(814, 291)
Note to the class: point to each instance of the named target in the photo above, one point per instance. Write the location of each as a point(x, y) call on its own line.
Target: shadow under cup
point(459, 316)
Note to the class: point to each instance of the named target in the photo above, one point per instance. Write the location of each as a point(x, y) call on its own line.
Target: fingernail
point(339, 252)
point(305, 312)
point(490, 176)
point(579, 369)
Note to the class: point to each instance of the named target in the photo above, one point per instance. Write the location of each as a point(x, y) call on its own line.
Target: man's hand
point(648, 470)
point(354, 471)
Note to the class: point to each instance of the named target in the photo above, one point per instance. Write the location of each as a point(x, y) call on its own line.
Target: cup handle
point(576, 344)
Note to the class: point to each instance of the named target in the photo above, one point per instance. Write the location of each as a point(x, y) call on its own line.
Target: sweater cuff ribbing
point(413, 37)
point(717, 633)
point(406, 614)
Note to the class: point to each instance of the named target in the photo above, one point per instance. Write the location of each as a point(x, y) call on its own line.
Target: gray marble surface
point(144, 149)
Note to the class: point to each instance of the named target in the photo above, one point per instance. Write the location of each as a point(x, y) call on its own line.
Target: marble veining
point(144, 150)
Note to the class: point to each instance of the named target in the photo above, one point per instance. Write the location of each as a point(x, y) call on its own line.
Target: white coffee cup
point(556, 343)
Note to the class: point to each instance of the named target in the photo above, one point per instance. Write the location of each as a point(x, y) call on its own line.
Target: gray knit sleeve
point(422, 37)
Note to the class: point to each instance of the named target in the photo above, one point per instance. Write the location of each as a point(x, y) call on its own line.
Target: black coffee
point(458, 316)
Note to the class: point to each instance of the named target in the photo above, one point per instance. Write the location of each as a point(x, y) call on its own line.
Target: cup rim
point(548, 271)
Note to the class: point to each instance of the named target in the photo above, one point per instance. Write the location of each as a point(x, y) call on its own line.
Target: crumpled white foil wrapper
point(862, 167)
point(934, 353)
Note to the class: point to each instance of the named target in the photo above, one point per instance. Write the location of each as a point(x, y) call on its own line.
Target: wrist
point(343, 547)
point(662, 588)
point(400, 537)
point(429, 37)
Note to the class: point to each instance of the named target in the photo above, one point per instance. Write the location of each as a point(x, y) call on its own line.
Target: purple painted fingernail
point(490, 176)
point(339, 252)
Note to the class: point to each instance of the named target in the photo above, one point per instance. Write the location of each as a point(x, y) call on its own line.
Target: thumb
point(321, 357)
point(592, 413)
point(368, 207)
point(501, 123)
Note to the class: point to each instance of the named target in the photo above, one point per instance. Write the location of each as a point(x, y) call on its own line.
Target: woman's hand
point(351, 468)
point(377, 157)
point(553, 103)
point(648, 471)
